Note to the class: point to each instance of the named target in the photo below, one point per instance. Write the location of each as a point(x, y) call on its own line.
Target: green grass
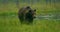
point(12, 24)
point(9, 23)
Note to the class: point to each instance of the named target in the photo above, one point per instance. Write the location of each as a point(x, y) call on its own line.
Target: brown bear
point(26, 14)
point(30, 15)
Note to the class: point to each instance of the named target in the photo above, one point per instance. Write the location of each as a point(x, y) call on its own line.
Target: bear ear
point(28, 7)
point(34, 9)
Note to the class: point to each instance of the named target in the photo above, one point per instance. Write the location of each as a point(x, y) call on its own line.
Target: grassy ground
point(9, 21)
point(12, 24)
